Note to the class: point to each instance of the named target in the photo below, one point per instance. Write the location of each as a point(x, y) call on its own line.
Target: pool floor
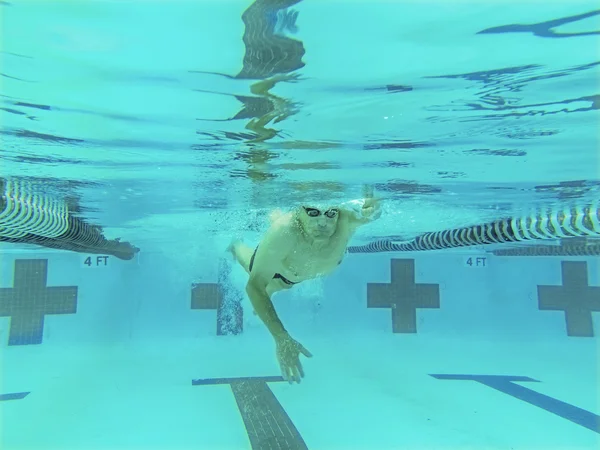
point(361, 391)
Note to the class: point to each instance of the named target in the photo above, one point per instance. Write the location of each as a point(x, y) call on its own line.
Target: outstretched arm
point(276, 244)
point(264, 268)
point(274, 247)
point(370, 210)
point(257, 292)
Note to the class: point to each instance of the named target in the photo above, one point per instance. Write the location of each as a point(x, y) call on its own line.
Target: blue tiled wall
point(135, 301)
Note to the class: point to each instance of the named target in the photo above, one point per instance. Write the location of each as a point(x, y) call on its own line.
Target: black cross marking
point(267, 424)
point(574, 297)
point(229, 313)
point(30, 300)
point(206, 295)
point(223, 297)
point(403, 295)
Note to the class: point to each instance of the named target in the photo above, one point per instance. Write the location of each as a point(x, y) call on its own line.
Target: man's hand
point(371, 206)
point(288, 354)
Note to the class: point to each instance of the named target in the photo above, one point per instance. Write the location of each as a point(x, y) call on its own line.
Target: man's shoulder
point(280, 217)
point(280, 238)
point(284, 221)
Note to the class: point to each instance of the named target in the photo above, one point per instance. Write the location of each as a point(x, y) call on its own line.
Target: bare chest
point(307, 261)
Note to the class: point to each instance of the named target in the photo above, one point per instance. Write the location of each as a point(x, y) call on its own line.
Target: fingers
point(285, 372)
point(297, 377)
point(368, 191)
point(300, 370)
point(292, 372)
point(289, 362)
point(305, 352)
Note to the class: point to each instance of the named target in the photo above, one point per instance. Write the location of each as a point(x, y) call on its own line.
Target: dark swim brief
point(277, 275)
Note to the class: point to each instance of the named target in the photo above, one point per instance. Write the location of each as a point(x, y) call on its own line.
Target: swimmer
point(306, 243)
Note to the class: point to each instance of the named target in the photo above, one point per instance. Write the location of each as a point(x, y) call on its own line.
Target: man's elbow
point(250, 289)
point(254, 289)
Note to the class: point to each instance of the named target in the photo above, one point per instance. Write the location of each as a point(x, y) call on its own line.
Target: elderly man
point(308, 242)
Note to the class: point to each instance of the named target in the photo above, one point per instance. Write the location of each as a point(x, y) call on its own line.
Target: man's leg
point(242, 253)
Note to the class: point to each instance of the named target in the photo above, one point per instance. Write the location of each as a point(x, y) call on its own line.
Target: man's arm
point(257, 292)
point(272, 250)
point(370, 210)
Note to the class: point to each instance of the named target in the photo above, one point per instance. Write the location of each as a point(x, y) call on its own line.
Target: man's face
point(319, 222)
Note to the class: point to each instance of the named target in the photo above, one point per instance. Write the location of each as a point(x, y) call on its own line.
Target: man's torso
point(303, 261)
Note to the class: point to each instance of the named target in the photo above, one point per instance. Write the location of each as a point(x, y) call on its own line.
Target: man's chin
point(321, 235)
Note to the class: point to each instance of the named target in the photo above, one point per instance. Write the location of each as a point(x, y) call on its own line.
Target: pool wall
point(93, 299)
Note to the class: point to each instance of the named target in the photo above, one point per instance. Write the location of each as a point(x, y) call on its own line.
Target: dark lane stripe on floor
point(506, 385)
point(14, 396)
point(267, 424)
point(206, 381)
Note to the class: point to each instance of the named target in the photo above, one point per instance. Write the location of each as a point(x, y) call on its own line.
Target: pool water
point(176, 127)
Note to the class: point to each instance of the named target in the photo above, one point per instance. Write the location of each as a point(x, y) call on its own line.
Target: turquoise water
point(106, 98)
point(177, 125)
